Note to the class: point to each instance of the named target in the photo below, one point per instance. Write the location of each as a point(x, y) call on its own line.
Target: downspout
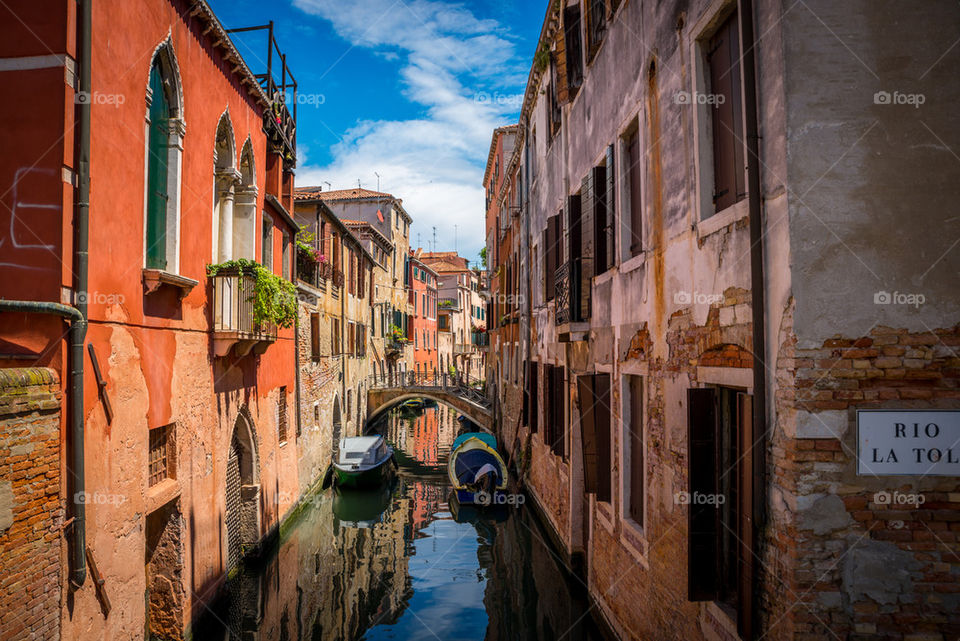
point(757, 284)
point(78, 329)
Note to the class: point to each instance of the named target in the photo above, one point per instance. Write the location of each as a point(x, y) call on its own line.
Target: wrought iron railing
point(233, 308)
point(307, 269)
point(467, 387)
point(572, 292)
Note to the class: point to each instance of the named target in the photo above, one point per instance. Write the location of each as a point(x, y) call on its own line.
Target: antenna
point(329, 186)
point(434, 246)
point(455, 239)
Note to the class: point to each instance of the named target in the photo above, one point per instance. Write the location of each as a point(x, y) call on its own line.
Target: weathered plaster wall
point(872, 186)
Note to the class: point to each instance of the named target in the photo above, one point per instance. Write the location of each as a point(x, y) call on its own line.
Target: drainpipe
point(757, 285)
point(78, 329)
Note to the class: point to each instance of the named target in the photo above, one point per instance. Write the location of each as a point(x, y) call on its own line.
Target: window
point(315, 336)
point(164, 141)
point(633, 224)
point(553, 101)
point(596, 25)
point(282, 415)
point(593, 394)
point(553, 410)
point(335, 325)
point(726, 115)
point(285, 256)
point(632, 387)
point(551, 256)
point(721, 547)
point(161, 460)
point(574, 53)
point(266, 246)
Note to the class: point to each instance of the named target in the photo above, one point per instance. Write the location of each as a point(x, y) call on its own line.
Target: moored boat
point(476, 471)
point(365, 461)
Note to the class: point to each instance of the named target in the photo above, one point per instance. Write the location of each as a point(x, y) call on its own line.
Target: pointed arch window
point(164, 147)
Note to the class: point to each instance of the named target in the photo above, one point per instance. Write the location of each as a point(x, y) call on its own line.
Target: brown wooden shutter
point(702, 444)
point(315, 336)
point(573, 51)
point(601, 423)
point(636, 202)
point(534, 391)
point(745, 529)
point(588, 436)
point(609, 236)
point(723, 57)
point(551, 246)
point(637, 468)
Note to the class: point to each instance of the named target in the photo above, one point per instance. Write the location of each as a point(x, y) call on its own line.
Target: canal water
point(399, 563)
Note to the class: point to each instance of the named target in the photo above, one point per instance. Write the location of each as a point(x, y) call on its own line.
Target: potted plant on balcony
point(274, 298)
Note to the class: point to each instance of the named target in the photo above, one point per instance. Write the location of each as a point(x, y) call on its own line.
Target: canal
point(399, 564)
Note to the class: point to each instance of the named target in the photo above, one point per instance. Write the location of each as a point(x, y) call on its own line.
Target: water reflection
point(397, 563)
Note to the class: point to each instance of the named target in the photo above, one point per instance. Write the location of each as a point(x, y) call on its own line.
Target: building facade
point(141, 197)
point(423, 294)
point(334, 284)
point(384, 213)
point(463, 311)
point(712, 355)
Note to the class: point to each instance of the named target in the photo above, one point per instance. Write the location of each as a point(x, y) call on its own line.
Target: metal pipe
point(757, 284)
point(78, 329)
point(81, 261)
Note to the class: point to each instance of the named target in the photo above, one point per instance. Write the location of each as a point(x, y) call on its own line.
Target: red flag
point(380, 215)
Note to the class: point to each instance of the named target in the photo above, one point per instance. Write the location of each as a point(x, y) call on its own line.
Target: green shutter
point(157, 196)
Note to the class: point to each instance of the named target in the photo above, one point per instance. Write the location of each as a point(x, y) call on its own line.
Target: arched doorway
point(243, 492)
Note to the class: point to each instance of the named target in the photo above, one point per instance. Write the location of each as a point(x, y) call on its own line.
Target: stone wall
point(31, 512)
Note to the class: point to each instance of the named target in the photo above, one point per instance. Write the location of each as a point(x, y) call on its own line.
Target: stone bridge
point(385, 393)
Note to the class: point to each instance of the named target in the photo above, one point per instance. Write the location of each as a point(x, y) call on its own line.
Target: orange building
point(423, 301)
point(140, 150)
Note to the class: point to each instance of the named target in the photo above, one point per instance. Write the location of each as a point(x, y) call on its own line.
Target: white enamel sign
point(908, 442)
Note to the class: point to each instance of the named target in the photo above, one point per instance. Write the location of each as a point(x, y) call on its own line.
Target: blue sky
point(410, 89)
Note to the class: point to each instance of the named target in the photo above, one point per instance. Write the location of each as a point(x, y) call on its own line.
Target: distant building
point(385, 214)
point(423, 293)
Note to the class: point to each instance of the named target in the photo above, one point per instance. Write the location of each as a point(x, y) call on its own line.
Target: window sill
point(722, 219)
point(633, 538)
point(162, 493)
point(154, 279)
point(633, 263)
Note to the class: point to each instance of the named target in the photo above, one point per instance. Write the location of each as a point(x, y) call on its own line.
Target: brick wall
point(30, 509)
point(864, 567)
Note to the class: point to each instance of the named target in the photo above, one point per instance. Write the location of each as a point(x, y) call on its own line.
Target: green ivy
point(274, 298)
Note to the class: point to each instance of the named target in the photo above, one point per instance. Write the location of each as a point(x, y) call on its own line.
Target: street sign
point(908, 442)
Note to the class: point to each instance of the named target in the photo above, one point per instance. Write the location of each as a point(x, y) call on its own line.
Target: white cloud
point(448, 57)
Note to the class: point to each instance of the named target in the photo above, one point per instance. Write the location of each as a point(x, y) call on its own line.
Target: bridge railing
point(469, 388)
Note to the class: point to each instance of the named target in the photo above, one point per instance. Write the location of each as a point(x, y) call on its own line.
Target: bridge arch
point(381, 401)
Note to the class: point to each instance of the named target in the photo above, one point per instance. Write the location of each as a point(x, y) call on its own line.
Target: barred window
point(161, 458)
point(282, 415)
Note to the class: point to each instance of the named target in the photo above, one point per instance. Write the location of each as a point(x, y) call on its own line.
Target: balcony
point(316, 274)
point(234, 326)
point(572, 296)
point(462, 348)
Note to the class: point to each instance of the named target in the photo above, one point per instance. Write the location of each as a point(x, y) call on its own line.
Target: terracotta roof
point(442, 266)
point(357, 193)
point(347, 221)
